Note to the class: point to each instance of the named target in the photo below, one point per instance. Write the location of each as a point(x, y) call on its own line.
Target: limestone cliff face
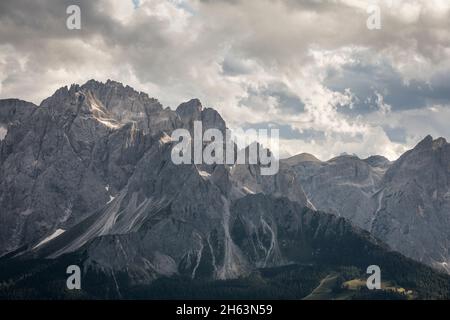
point(89, 170)
point(404, 203)
point(93, 163)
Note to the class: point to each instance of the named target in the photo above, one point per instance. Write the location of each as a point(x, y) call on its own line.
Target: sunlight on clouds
point(253, 61)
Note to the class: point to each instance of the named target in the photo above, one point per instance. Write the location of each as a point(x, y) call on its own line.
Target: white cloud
point(223, 51)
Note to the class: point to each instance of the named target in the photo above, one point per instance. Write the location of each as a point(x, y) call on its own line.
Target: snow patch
point(99, 113)
point(204, 174)
point(248, 191)
point(110, 123)
point(111, 198)
point(310, 205)
point(3, 132)
point(444, 265)
point(55, 234)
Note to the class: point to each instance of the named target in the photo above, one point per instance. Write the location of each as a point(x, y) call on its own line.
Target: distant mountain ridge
point(405, 203)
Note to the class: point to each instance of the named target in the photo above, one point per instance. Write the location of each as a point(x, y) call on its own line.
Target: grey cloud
point(367, 80)
point(396, 134)
point(286, 101)
point(229, 53)
point(267, 31)
point(233, 66)
point(287, 132)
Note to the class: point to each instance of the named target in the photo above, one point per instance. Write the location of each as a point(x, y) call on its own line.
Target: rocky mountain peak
point(193, 110)
point(426, 143)
point(112, 105)
point(427, 154)
point(189, 107)
point(190, 110)
point(378, 161)
point(14, 110)
point(299, 158)
point(439, 143)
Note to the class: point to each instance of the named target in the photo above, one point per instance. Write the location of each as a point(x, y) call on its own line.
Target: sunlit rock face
point(66, 158)
point(95, 161)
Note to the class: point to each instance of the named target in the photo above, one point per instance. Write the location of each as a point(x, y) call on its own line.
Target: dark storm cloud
point(276, 93)
point(367, 81)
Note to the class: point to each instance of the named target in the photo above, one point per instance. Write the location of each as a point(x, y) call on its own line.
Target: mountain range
point(86, 177)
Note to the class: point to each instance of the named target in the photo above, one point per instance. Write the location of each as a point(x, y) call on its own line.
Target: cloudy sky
point(311, 68)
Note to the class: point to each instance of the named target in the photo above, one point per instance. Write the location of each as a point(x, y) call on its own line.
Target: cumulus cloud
point(310, 67)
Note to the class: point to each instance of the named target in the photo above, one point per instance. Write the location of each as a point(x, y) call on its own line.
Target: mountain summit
point(405, 203)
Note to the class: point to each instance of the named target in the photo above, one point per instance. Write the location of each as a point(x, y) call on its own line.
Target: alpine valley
point(86, 179)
